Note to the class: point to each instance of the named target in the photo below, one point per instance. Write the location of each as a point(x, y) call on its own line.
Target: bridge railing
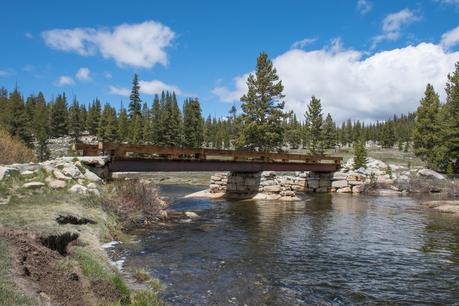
point(124, 151)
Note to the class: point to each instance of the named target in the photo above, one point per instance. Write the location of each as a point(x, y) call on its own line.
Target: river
point(327, 249)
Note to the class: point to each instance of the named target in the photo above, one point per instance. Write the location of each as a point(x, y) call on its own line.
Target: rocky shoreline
point(378, 178)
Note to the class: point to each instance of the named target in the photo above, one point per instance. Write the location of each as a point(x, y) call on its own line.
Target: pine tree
point(427, 129)
point(329, 132)
point(135, 102)
point(123, 125)
point(93, 117)
point(147, 132)
point(83, 117)
point(293, 132)
point(41, 128)
point(156, 120)
point(108, 127)
point(314, 127)
point(450, 122)
point(360, 155)
point(135, 130)
point(193, 134)
point(59, 117)
point(5, 109)
point(170, 131)
point(75, 122)
point(18, 124)
point(261, 120)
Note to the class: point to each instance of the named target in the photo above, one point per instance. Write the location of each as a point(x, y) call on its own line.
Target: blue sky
point(364, 59)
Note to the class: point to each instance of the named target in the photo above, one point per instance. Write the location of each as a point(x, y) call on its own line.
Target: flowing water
point(328, 249)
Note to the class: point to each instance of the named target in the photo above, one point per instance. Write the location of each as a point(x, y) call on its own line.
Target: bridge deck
point(141, 158)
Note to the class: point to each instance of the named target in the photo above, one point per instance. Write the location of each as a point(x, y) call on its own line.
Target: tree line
point(262, 125)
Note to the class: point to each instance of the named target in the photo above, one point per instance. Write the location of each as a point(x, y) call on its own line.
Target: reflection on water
point(326, 249)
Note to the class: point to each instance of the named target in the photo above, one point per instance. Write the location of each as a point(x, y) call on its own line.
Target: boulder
point(94, 192)
point(272, 189)
point(91, 176)
point(338, 176)
point(268, 183)
point(60, 176)
point(92, 186)
point(27, 172)
point(26, 167)
point(358, 189)
point(56, 184)
point(6, 172)
point(430, 174)
point(339, 184)
point(77, 188)
point(33, 185)
point(72, 171)
point(344, 190)
point(191, 214)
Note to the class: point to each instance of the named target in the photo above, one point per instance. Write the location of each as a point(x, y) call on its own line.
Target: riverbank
point(54, 218)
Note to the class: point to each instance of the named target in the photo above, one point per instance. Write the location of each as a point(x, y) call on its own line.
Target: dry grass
point(13, 150)
point(134, 201)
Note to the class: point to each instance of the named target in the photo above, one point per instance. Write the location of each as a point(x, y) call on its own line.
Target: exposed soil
point(69, 219)
point(39, 269)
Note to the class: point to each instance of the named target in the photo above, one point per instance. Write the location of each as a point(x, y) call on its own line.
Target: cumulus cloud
point(364, 6)
point(300, 44)
point(353, 86)
point(450, 38)
point(138, 45)
point(156, 87)
point(119, 91)
point(146, 87)
point(83, 74)
point(64, 80)
point(392, 25)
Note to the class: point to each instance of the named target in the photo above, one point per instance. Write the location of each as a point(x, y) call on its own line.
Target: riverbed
point(327, 249)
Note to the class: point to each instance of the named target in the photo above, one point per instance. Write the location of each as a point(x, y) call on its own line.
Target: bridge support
point(242, 185)
point(248, 184)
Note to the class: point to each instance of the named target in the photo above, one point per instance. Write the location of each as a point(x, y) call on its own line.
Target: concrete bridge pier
point(245, 185)
point(242, 185)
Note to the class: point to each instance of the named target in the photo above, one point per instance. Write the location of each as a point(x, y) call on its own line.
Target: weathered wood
point(205, 159)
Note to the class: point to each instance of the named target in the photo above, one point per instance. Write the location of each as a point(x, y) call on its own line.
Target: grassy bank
point(50, 249)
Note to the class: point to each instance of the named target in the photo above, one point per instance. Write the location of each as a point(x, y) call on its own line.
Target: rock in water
point(191, 214)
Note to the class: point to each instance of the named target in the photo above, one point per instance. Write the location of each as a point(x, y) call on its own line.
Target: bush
point(13, 150)
point(134, 201)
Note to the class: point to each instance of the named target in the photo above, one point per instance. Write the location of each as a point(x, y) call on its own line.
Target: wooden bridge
point(145, 158)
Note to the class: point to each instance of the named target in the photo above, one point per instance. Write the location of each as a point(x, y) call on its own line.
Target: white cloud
point(28, 35)
point(83, 74)
point(300, 44)
point(364, 6)
point(138, 45)
point(448, 1)
point(351, 86)
point(392, 25)
point(156, 87)
point(107, 75)
point(450, 38)
point(64, 81)
point(119, 91)
point(4, 73)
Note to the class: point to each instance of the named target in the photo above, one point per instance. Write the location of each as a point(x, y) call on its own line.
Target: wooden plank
point(119, 150)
